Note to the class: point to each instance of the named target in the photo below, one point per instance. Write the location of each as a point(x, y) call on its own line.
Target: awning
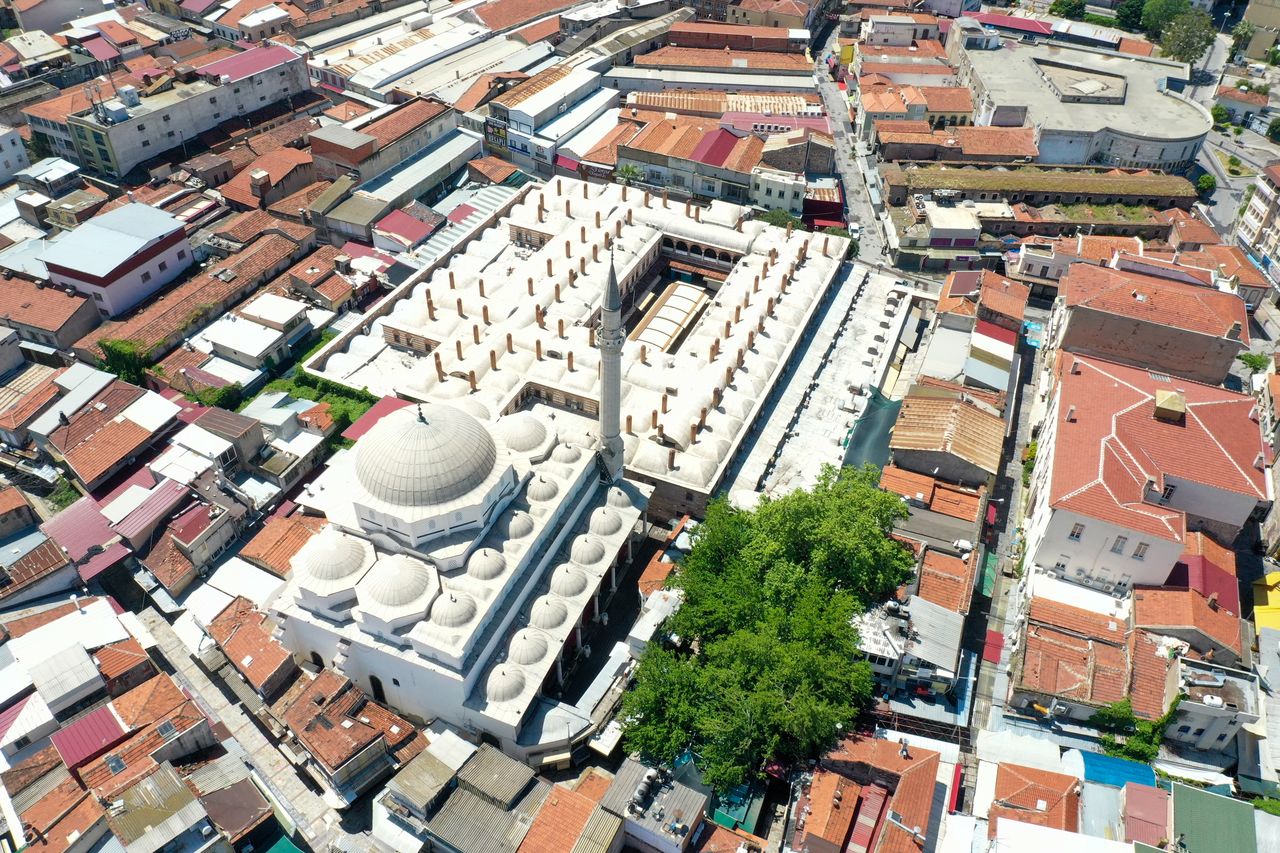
point(992, 647)
point(827, 223)
point(566, 163)
point(991, 513)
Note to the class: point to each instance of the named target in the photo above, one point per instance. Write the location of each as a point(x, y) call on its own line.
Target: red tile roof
point(61, 816)
point(912, 792)
point(45, 308)
point(697, 57)
point(274, 545)
point(1232, 93)
point(172, 568)
point(1075, 654)
point(1158, 609)
point(492, 169)
point(1040, 797)
point(504, 14)
point(403, 120)
point(120, 658)
point(947, 581)
point(540, 31)
point(278, 165)
point(1114, 445)
point(245, 637)
point(148, 702)
point(833, 800)
point(1149, 692)
point(38, 563)
point(313, 710)
point(964, 291)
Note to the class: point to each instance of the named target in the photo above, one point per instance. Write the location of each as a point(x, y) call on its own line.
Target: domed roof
point(567, 581)
point(397, 580)
point(547, 613)
point(330, 556)
point(586, 551)
point(424, 455)
point(542, 488)
point(527, 647)
point(605, 522)
point(505, 683)
point(523, 431)
point(486, 564)
point(473, 407)
point(517, 525)
point(453, 609)
point(618, 498)
point(566, 453)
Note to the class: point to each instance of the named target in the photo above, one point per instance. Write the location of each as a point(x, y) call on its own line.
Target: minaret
point(610, 340)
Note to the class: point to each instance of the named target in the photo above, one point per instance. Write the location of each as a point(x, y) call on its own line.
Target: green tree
point(1188, 36)
point(1241, 34)
point(1221, 115)
point(1129, 14)
point(1273, 130)
point(782, 219)
point(1157, 14)
point(227, 397)
point(1256, 362)
point(763, 670)
point(38, 147)
point(1206, 184)
point(1233, 161)
point(1073, 9)
point(63, 495)
point(628, 174)
point(125, 359)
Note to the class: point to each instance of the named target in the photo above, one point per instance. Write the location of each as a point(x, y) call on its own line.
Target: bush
point(1073, 9)
point(1267, 805)
point(1145, 736)
point(64, 494)
point(1233, 160)
point(125, 359)
point(1029, 463)
point(1206, 184)
point(1221, 115)
point(228, 397)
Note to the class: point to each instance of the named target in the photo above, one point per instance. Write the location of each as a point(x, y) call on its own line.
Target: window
point(396, 682)
point(1140, 551)
point(146, 276)
point(375, 686)
point(163, 266)
point(97, 296)
point(1198, 732)
point(1182, 730)
point(182, 254)
point(114, 764)
point(317, 660)
point(1167, 494)
point(213, 100)
point(166, 118)
point(1117, 547)
point(1077, 530)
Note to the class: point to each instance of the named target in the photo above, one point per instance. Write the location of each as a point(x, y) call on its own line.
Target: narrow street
point(857, 201)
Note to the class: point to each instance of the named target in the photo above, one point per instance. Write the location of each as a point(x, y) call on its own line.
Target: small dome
point(542, 489)
point(424, 455)
point(566, 453)
point(397, 580)
point(517, 525)
point(505, 683)
point(453, 609)
point(618, 498)
point(586, 551)
point(605, 522)
point(527, 647)
point(473, 407)
point(523, 432)
point(547, 613)
point(567, 581)
point(330, 556)
point(486, 564)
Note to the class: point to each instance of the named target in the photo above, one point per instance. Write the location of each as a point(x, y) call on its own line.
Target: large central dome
point(424, 455)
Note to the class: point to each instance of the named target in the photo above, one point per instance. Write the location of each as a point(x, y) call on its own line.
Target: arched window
point(317, 660)
point(375, 685)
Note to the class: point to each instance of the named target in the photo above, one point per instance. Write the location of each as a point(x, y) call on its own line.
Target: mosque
point(462, 560)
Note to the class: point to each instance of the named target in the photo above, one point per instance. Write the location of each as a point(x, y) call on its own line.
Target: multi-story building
point(1258, 228)
point(13, 154)
point(1091, 106)
point(376, 141)
point(1131, 460)
point(111, 136)
point(527, 123)
point(121, 257)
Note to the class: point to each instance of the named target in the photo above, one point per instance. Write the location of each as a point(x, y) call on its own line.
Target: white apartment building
point(527, 122)
point(1129, 461)
point(116, 134)
point(1256, 229)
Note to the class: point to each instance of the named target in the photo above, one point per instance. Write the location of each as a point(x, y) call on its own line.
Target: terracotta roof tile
point(403, 120)
point(274, 545)
point(947, 581)
point(137, 753)
point(11, 500)
point(950, 426)
point(696, 57)
point(314, 709)
point(1232, 93)
point(347, 110)
point(61, 816)
point(492, 169)
point(1114, 446)
point(278, 165)
point(116, 441)
point(288, 206)
point(245, 637)
point(1158, 610)
point(1034, 796)
point(120, 658)
point(1148, 688)
point(150, 701)
point(172, 568)
point(45, 308)
point(964, 291)
point(912, 795)
point(540, 31)
point(833, 801)
point(31, 769)
point(504, 14)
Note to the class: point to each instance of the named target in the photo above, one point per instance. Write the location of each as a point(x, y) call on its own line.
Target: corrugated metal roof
point(37, 790)
point(421, 780)
point(1116, 772)
point(158, 504)
point(599, 834)
point(62, 675)
point(88, 736)
point(156, 811)
point(222, 772)
point(494, 775)
point(474, 823)
point(1212, 822)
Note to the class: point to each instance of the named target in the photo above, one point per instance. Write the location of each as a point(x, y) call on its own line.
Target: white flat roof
point(236, 577)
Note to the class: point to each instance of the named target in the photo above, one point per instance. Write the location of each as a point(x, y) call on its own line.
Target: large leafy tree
point(1157, 14)
point(767, 664)
point(1129, 14)
point(1073, 9)
point(1187, 36)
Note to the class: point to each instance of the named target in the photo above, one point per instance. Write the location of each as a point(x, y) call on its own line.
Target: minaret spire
point(610, 340)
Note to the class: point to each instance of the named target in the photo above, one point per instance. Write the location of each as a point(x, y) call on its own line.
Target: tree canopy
point(782, 219)
point(1129, 14)
point(1157, 14)
point(768, 664)
point(1073, 9)
point(1188, 36)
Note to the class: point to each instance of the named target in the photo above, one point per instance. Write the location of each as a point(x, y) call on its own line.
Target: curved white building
point(462, 561)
